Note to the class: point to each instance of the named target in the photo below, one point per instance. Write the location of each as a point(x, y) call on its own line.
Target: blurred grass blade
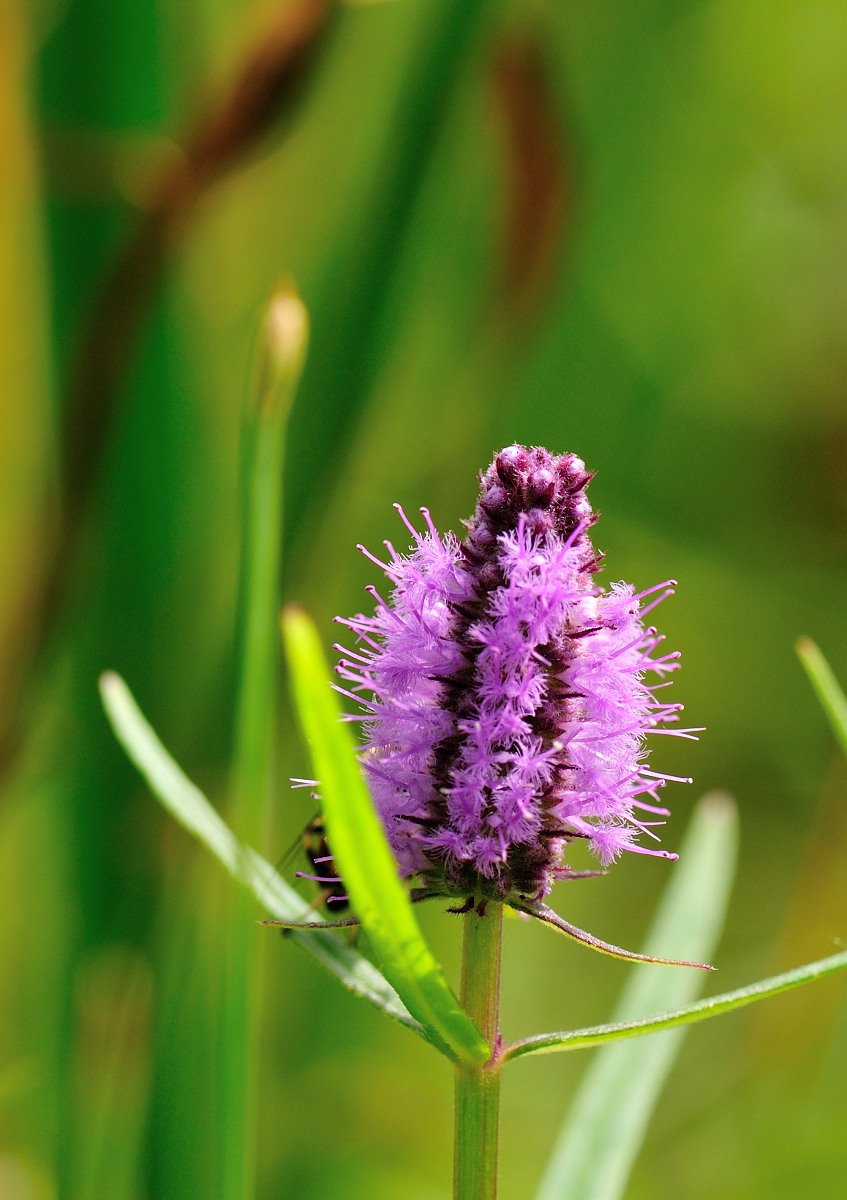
point(827, 688)
point(612, 1109)
point(597, 1035)
point(190, 807)
point(113, 997)
point(364, 858)
point(359, 316)
point(282, 352)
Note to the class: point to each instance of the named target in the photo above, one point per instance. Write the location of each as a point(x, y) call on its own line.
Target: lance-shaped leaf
point(714, 1006)
point(190, 807)
point(542, 912)
point(363, 857)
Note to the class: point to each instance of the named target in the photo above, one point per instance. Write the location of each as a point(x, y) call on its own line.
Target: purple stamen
point(377, 562)
point(408, 523)
point(668, 583)
point(652, 808)
point(657, 601)
point(425, 513)
point(690, 734)
point(663, 777)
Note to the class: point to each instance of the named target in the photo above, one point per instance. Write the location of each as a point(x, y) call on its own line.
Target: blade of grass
point(828, 691)
point(605, 1128)
point(364, 858)
point(282, 353)
point(187, 804)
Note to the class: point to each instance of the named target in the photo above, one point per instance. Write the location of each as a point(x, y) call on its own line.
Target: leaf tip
point(286, 329)
point(110, 686)
point(805, 647)
point(719, 808)
point(293, 619)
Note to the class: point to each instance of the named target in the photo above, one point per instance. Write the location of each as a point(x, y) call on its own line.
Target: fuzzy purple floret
point(506, 696)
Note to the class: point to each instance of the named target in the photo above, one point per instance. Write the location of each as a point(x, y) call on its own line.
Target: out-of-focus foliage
point(618, 229)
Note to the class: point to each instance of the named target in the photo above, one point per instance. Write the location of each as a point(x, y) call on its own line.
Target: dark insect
point(331, 892)
point(324, 874)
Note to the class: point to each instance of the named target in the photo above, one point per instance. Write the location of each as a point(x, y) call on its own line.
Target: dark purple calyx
point(542, 494)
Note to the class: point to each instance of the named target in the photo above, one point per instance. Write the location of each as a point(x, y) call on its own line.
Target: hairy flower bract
point(507, 698)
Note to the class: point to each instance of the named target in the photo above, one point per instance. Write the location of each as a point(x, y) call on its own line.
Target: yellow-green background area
point(665, 295)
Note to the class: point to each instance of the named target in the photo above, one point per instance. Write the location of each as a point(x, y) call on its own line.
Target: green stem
point(238, 1050)
point(478, 1088)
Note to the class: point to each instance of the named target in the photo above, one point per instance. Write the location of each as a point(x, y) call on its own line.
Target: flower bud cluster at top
point(505, 695)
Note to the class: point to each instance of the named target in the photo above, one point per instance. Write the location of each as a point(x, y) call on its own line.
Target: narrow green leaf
point(827, 688)
point(596, 1035)
point(363, 855)
point(600, 1140)
point(190, 807)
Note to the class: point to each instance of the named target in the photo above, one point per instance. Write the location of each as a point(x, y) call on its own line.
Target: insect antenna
point(288, 856)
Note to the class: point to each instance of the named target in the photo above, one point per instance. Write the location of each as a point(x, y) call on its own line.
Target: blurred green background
point(618, 229)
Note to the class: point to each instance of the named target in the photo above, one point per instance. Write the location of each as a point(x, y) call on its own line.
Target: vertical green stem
point(282, 359)
point(478, 1088)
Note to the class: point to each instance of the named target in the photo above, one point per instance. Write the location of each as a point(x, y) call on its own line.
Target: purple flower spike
point(507, 699)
